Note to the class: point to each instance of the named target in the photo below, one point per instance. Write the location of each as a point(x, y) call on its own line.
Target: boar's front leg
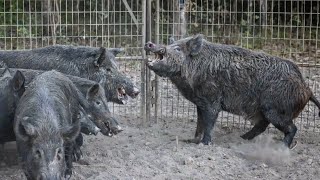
point(209, 114)
point(199, 131)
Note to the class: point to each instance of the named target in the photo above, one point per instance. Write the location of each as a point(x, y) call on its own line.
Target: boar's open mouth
point(112, 130)
point(107, 126)
point(158, 56)
point(122, 95)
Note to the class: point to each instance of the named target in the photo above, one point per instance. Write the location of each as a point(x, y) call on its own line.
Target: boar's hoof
point(293, 145)
point(205, 142)
point(68, 173)
point(195, 141)
point(247, 136)
point(68, 176)
point(77, 154)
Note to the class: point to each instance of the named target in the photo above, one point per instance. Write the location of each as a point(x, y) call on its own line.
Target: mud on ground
point(152, 152)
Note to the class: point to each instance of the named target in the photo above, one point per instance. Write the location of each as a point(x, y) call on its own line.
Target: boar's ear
point(194, 44)
point(18, 81)
point(116, 51)
point(6, 72)
point(171, 40)
point(93, 90)
point(100, 57)
point(25, 130)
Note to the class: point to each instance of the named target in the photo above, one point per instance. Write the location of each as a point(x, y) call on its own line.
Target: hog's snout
point(117, 129)
point(149, 45)
point(135, 92)
point(96, 130)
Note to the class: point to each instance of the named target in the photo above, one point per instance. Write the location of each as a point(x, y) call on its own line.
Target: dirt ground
point(153, 153)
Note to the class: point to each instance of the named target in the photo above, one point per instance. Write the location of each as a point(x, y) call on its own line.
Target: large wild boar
point(46, 124)
point(263, 88)
point(104, 120)
point(97, 64)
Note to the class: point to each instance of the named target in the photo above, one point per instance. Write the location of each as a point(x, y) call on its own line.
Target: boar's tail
point(315, 101)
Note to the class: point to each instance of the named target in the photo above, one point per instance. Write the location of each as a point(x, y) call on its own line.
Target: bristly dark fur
point(97, 64)
point(263, 88)
point(46, 119)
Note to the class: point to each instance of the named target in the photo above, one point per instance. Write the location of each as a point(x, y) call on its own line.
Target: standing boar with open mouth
point(263, 88)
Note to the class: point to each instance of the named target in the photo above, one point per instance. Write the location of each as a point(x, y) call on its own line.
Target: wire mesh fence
point(29, 24)
point(284, 28)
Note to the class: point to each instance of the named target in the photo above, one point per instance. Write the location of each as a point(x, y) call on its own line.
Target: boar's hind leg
point(256, 130)
point(283, 123)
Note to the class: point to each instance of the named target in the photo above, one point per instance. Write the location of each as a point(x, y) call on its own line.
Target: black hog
point(105, 122)
point(263, 88)
point(97, 64)
point(11, 89)
point(46, 124)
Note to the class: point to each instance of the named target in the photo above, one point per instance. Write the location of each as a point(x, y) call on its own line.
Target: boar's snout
point(149, 45)
point(135, 92)
point(117, 129)
point(96, 130)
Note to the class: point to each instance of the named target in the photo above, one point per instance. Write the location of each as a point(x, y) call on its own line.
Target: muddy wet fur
point(47, 116)
point(97, 64)
point(263, 88)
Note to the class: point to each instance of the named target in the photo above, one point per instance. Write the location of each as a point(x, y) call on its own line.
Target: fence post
point(143, 67)
point(148, 73)
point(156, 80)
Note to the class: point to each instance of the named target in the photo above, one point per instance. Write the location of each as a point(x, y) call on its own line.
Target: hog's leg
point(2, 155)
point(256, 130)
point(199, 131)
point(284, 124)
point(209, 116)
point(77, 153)
point(68, 158)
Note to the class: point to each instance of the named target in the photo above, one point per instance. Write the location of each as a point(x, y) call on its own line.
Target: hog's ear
point(93, 90)
point(194, 44)
point(171, 40)
point(25, 130)
point(116, 51)
point(6, 73)
point(100, 57)
point(18, 81)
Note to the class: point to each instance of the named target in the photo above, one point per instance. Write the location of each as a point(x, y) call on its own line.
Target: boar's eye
point(178, 49)
point(38, 154)
point(162, 51)
point(98, 102)
point(108, 69)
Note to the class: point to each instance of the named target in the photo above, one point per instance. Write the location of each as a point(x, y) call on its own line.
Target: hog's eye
point(108, 69)
point(38, 154)
point(162, 51)
point(178, 49)
point(98, 102)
